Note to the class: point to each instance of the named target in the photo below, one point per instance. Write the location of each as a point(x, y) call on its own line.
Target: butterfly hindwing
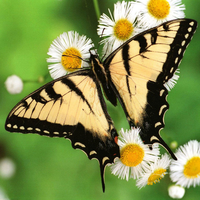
point(72, 107)
point(139, 69)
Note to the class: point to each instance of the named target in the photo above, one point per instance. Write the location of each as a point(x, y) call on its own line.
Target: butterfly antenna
point(100, 43)
point(107, 46)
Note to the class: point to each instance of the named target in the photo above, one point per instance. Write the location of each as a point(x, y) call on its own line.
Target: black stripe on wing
point(69, 83)
point(126, 57)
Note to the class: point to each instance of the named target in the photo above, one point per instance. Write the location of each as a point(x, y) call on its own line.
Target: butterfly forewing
point(72, 107)
point(139, 69)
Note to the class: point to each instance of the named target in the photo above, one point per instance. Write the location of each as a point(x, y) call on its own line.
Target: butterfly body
point(100, 72)
point(73, 106)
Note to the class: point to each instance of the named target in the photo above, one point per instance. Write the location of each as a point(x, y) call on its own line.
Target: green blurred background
point(49, 168)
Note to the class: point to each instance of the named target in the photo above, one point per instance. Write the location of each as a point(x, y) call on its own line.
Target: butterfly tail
point(102, 170)
point(162, 142)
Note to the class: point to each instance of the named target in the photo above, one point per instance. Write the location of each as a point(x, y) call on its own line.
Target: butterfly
point(73, 106)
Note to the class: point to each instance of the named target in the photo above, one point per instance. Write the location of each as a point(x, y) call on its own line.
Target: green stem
point(96, 7)
point(40, 79)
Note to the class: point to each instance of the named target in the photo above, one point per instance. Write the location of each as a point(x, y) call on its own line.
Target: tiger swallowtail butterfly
point(73, 106)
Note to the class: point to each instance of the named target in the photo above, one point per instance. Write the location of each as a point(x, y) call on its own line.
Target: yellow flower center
point(159, 8)
point(123, 29)
point(156, 176)
point(192, 168)
point(131, 155)
point(71, 59)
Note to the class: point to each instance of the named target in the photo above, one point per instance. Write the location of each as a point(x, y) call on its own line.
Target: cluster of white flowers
point(138, 162)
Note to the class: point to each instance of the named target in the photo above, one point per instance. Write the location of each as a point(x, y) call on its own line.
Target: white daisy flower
point(155, 12)
point(119, 27)
point(172, 81)
point(68, 53)
point(186, 170)
point(155, 172)
point(176, 191)
point(14, 84)
point(134, 155)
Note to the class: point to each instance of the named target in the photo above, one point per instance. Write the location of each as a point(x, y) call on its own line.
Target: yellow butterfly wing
point(72, 107)
point(139, 69)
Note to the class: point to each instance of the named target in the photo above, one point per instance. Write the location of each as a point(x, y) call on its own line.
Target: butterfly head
point(93, 55)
